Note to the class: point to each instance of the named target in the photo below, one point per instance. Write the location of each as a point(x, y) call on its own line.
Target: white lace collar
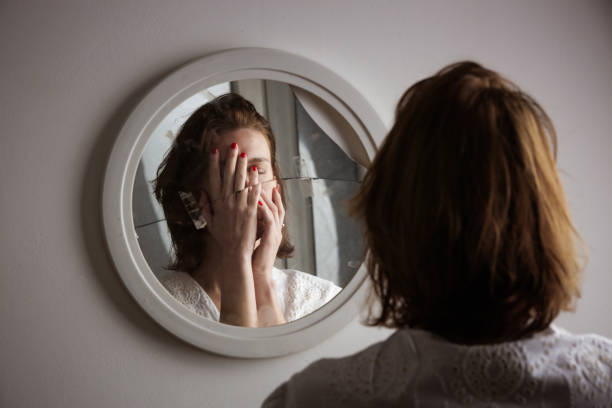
point(298, 293)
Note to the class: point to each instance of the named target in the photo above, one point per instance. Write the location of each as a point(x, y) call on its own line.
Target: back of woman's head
point(465, 217)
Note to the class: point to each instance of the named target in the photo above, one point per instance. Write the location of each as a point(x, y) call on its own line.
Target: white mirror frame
point(119, 178)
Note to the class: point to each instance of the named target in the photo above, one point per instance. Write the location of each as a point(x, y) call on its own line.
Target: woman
point(472, 256)
point(225, 156)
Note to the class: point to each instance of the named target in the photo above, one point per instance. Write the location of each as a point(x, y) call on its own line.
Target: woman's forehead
point(250, 141)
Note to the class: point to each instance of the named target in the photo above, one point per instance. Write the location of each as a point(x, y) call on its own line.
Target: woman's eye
point(261, 171)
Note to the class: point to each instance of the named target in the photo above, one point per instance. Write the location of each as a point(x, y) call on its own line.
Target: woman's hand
point(271, 212)
point(229, 208)
point(230, 211)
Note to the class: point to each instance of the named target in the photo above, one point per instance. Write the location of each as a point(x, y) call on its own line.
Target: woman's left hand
point(272, 215)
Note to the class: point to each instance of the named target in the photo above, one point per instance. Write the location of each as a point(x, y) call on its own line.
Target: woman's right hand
point(230, 209)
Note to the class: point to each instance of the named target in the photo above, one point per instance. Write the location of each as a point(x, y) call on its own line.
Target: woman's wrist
point(263, 282)
point(238, 302)
point(265, 290)
point(235, 259)
point(236, 273)
point(262, 270)
point(268, 309)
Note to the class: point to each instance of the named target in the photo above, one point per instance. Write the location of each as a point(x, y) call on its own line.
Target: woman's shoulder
point(341, 381)
point(554, 365)
point(180, 283)
point(301, 281)
point(569, 346)
point(301, 293)
point(586, 361)
point(190, 294)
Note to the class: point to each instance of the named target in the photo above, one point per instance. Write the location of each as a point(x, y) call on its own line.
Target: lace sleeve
point(189, 293)
point(302, 293)
point(587, 364)
point(354, 381)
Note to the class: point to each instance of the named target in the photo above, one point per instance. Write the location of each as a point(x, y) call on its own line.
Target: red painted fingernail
point(243, 155)
point(215, 150)
point(260, 203)
point(254, 168)
point(234, 145)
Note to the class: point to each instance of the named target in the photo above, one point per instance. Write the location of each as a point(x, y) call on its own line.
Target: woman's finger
point(273, 208)
point(278, 200)
point(229, 170)
point(214, 176)
point(240, 176)
point(254, 191)
point(263, 206)
point(253, 175)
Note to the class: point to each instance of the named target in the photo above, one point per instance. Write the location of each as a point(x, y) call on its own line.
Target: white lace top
point(414, 368)
point(298, 293)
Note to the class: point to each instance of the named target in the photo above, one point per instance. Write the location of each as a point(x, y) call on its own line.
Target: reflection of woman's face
point(255, 145)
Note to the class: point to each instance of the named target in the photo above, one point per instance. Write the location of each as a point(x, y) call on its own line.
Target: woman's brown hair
point(466, 220)
point(184, 169)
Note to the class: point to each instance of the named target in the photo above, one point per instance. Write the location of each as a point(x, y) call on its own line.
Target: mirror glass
point(319, 177)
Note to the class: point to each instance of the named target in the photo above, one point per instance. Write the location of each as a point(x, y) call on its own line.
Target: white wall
point(70, 334)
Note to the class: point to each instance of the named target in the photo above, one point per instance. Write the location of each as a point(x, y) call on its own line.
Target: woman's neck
point(208, 274)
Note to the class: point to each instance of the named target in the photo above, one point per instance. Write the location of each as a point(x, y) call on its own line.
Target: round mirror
point(323, 133)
